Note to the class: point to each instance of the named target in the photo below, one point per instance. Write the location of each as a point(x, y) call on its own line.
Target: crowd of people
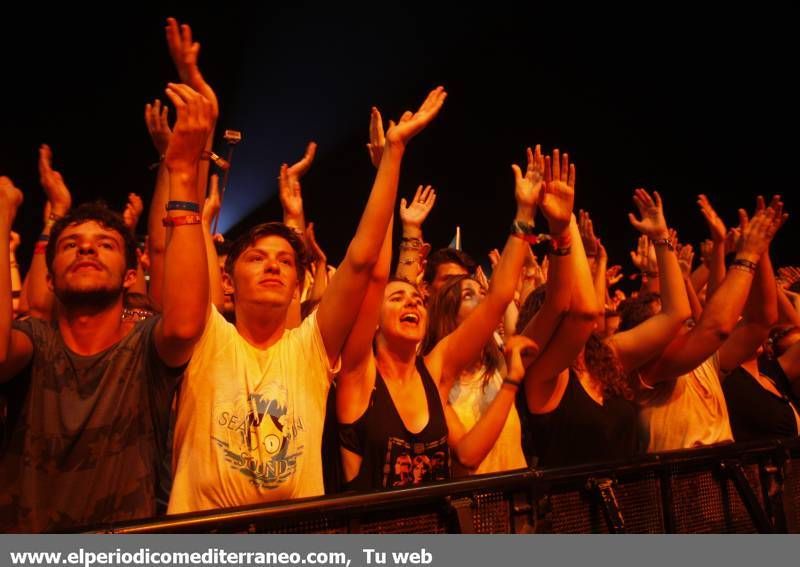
point(195, 373)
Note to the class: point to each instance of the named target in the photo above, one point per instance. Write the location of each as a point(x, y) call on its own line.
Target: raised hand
point(54, 187)
point(705, 251)
point(586, 229)
point(412, 123)
point(415, 214)
point(614, 275)
point(213, 203)
point(558, 197)
point(685, 259)
point(155, 117)
point(644, 257)
point(528, 187)
point(184, 52)
point(314, 248)
point(715, 225)
point(788, 275)
point(10, 200)
point(133, 210)
point(289, 189)
point(377, 137)
point(192, 127)
point(757, 233)
point(652, 224)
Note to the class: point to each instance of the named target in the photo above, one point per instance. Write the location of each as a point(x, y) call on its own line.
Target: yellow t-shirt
point(249, 424)
point(470, 400)
point(688, 413)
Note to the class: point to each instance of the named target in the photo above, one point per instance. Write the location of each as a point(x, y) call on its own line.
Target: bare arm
point(16, 348)
point(462, 347)
point(759, 315)
point(718, 233)
point(722, 309)
point(186, 308)
point(471, 446)
point(636, 346)
point(349, 284)
point(357, 377)
point(412, 246)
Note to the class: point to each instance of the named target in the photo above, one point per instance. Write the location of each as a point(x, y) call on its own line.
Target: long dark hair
point(598, 358)
point(442, 320)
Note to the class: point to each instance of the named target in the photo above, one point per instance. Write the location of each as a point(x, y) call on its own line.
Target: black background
point(669, 99)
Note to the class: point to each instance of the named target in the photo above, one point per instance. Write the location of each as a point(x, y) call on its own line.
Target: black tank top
point(392, 456)
point(755, 412)
point(581, 431)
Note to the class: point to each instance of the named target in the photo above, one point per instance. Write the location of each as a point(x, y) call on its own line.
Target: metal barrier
point(741, 488)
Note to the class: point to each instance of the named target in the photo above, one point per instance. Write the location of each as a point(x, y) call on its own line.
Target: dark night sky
point(677, 101)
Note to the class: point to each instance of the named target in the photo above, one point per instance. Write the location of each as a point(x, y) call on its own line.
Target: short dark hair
point(97, 212)
point(448, 256)
point(262, 231)
point(636, 310)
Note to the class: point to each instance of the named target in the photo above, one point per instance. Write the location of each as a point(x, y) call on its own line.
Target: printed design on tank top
point(409, 463)
point(260, 438)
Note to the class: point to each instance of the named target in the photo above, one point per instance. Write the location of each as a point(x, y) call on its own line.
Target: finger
point(186, 36)
point(548, 172)
point(760, 204)
point(177, 100)
point(147, 119)
point(658, 201)
point(417, 194)
point(743, 220)
point(556, 164)
point(403, 205)
point(565, 167)
point(517, 173)
point(164, 118)
point(432, 200)
point(571, 177)
point(531, 161)
point(173, 36)
point(425, 194)
point(302, 166)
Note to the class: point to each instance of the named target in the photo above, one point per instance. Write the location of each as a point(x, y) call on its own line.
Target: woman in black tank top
point(393, 429)
point(579, 400)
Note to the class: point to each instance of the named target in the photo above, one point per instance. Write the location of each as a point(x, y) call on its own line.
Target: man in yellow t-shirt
point(252, 404)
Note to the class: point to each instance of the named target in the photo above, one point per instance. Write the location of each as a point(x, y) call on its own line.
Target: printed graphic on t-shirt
point(409, 464)
point(260, 438)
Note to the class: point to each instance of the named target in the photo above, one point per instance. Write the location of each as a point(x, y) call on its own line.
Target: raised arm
point(290, 191)
point(412, 245)
point(636, 346)
point(357, 377)
point(348, 285)
point(541, 377)
point(16, 348)
point(722, 309)
point(185, 52)
point(463, 346)
point(211, 208)
point(760, 312)
point(718, 232)
point(185, 307)
point(156, 120)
